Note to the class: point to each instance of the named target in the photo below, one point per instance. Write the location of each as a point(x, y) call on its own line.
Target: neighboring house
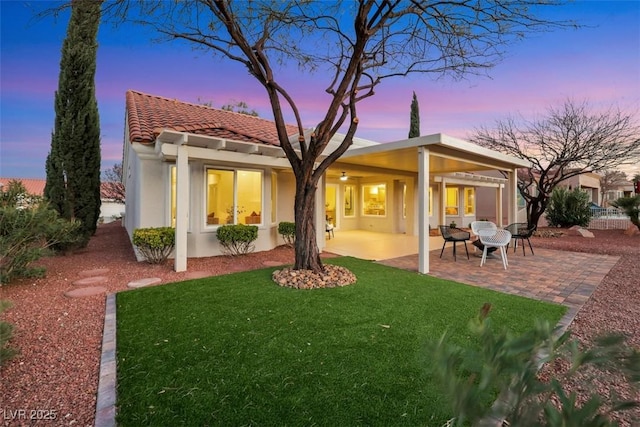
point(195, 168)
point(618, 189)
point(588, 182)
point(110, 208)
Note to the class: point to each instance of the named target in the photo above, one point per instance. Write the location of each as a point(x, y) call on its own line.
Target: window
point(451, 206)
point(469, 201)
point(374, 199)
point(233, 197)
point(349, 200)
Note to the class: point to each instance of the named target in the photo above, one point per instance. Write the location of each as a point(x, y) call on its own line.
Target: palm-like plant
point(631, 206)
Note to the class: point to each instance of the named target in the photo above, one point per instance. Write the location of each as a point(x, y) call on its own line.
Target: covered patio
point(432, 160)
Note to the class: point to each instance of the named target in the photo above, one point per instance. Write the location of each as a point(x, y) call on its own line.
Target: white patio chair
point(476, 226)
point(494, 239)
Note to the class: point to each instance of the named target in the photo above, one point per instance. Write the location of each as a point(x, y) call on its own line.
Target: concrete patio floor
point(562, 277)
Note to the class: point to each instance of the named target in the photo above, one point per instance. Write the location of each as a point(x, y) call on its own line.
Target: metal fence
point(608, 219)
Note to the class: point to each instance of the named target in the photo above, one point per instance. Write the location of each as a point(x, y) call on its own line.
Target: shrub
point(26, 234)
point(568, 208)
point(6, 331)
point(155, 243)
point(288, 232)
point(507, 366)
point(630, 206)
point(237, 239)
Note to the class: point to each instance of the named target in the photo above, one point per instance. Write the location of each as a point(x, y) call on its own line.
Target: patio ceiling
point(447, 154)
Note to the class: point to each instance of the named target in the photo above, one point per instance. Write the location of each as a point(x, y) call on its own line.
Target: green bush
point(237, 239)
point(631, 206)
point(29, 228)
point(6, 331)
point(155, 243)
point(568, 208)
point(288, 232)
point(507, 366)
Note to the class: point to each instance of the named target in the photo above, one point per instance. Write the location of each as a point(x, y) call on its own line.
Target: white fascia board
point(443, 140)
point(170, 151)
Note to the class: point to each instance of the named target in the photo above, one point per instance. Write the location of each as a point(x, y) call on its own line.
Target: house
point(618, 189)
point(588, 182)
point(111, 207)
point(195, 168)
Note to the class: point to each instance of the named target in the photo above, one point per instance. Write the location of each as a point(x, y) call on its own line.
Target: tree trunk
point(306, 246)
point(535, 209)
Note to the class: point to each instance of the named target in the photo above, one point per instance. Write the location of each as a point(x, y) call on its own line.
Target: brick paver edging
point(106, 400)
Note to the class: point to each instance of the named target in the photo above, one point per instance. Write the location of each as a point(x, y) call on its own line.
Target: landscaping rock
point(94, 272)
point(141, 283)
point(334, 276)
point(85, 292)
point(90, 281)
point(576, 230)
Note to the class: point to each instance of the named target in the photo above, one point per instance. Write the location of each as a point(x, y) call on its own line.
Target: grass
point(239, 350)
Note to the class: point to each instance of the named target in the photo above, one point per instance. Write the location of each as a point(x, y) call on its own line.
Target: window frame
point(473, 206)
point(448, 206)
point(205, 198)
point(385, 205)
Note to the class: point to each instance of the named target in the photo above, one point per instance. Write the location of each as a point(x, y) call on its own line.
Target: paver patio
point(561, 277)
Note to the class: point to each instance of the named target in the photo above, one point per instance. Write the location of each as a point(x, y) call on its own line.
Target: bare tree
point(571, 140)
point(240, 107)
point(112, 184)
point(610, 179)
point(354, 46)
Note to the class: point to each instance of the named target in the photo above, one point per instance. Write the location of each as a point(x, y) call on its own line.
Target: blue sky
point(599, 63)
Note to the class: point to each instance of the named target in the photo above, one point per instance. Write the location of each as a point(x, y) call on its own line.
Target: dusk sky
point(599, 63)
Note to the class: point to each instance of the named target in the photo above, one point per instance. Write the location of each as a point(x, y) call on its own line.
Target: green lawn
point(239, 350)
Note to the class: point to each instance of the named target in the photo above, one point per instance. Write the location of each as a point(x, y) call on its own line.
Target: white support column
point(321, 222)
point(423, 210)
point(442, 212)
point(513, 196)
point(182, 206)
point(499, 212)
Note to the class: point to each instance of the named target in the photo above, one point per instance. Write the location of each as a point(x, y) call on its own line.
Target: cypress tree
point(414, 126)
point(73, 163)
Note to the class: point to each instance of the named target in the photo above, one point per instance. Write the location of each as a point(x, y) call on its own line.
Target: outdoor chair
point(453, 234)
point(520, 231)
point(494, 239)
point(476, 226)
point(329, 228)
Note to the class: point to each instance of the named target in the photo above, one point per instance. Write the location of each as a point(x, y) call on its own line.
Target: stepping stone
point(85, 292)
point(141, 283)
point(90, 281)
point(94, 272)
point(196, 274)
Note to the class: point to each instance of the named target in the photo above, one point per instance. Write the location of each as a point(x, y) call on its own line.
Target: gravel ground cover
point(59, 338)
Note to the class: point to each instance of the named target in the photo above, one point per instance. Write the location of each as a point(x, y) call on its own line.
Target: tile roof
point(33, 186)
point(148, 115)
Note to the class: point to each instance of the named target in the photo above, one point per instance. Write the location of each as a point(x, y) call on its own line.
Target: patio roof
point(446, 154)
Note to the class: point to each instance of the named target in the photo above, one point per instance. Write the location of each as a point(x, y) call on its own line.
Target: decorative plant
point(453, 224)
point(288, 232)
point(631, 206)
point(6, 331)
point(154, 243)
point(239, 211)
point(568, 208)
point(507, 366)
point(237, 239)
